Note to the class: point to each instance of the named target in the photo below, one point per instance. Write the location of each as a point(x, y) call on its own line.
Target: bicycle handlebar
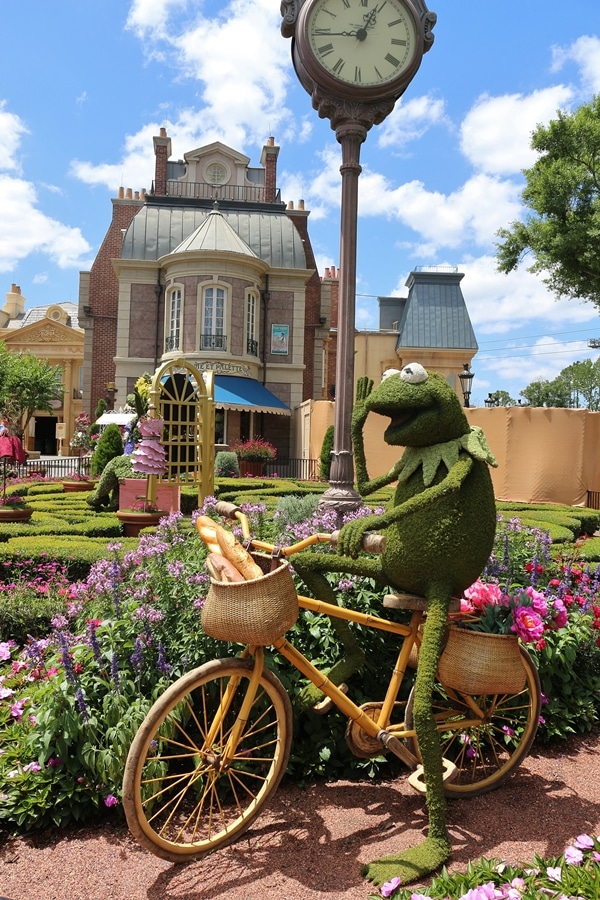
point(371, 543)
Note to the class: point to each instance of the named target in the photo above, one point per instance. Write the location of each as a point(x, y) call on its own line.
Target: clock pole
point(353, 107)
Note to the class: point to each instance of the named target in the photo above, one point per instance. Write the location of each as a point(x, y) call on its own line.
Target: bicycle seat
point(414, 601)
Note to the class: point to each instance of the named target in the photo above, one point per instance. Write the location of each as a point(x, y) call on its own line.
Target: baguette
point(238, 555)
point(207, 529)
point(220, 569)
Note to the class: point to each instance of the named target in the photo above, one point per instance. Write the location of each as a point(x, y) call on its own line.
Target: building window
point(251, 342)
point(213, 320)
point(173, 330)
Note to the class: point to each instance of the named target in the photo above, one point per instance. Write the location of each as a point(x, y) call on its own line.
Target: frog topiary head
point(422, 407)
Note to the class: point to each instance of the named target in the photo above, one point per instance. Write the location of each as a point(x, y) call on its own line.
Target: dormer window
point(216, 173)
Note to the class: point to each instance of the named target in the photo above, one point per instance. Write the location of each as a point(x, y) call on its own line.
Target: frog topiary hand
point(364, 386)
point(352, 533)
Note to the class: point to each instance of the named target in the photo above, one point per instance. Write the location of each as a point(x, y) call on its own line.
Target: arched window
point(173, 325)
point(251, 342)
point(213, 335)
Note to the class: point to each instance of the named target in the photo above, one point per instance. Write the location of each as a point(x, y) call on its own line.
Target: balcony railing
point(251, 347)
point(171, 343)
point(213, 342)
point(195, 190)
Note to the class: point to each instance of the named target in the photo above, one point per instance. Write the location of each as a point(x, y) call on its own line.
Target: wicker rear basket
point(252, 612)
point(476, 662)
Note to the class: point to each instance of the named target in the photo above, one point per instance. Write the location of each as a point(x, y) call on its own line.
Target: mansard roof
point(215, 233)
point(159, 229)
point(435, 314)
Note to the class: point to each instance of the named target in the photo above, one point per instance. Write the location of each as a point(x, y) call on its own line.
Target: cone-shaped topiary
point(110, 444)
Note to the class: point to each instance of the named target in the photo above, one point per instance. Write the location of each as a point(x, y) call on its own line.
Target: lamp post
point(355, 60)
point(466, 379)
point(491, 400)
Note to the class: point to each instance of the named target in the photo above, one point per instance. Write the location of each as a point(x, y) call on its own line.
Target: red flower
point(78, 668)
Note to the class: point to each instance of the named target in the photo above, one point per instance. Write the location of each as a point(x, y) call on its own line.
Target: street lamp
point(466, 379)
point(491, 400)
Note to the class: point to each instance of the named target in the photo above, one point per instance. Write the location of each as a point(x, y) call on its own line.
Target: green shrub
point(325, 455)
point(110, 444)
point(227, 465)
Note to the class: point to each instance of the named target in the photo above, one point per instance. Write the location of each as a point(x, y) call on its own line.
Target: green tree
point(27, 385)
point(502, 398)
point(576, 386)
point(563, 195)
point(109, 445)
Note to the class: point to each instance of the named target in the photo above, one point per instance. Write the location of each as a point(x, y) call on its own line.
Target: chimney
point(162, 152)
point(15, 303)
point(268, 160)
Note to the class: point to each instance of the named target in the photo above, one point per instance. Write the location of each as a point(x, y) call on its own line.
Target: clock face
point(362, 43)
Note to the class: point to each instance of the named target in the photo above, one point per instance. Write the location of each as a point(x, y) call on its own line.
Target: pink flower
point(527, 624)
point(560, 617)
point(32, 767)
point(481, 595)
point(554, 873)
point(5, 650)
point(538, 601)
point(389, 887)
point(110, 800)
point(573, 856)
point(584, 842)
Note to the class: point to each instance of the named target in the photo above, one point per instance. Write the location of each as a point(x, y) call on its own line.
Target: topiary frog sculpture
point(439, 530)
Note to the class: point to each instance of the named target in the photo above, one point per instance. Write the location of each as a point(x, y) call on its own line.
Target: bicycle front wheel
point(488, 746)
point(186, 791)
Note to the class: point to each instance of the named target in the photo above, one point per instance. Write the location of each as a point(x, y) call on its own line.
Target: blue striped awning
point(232, 392)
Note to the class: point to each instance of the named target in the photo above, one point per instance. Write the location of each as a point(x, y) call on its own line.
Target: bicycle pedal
point(326, 704)
point(417, 781)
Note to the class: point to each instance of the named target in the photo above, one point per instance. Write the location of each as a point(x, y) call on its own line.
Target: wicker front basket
point(475, 662)
point(252, 612)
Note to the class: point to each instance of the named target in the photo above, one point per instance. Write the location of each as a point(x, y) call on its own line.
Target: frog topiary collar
point(430, 457)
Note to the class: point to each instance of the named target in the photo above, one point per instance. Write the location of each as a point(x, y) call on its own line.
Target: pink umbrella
point(11, 450)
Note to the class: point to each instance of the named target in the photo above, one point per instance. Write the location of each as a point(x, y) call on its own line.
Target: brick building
point(209, 265)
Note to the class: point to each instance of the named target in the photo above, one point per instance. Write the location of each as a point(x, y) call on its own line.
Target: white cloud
point(499, 304)
point(585, 52)
point(12, 128)
point(409, 121)
point(24, 229)
point(496, 132)
point(474, 212)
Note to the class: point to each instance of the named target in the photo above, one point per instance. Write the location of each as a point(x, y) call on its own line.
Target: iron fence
point(297, 469)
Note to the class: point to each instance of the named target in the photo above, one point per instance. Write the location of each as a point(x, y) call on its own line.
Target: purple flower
point(573, 856)
point(389, 887)
point(110, 800)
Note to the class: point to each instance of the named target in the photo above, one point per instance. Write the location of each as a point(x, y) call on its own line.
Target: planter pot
point(133, 520)
point(475, 662)
point(70, 487)
point(7, 514)
point(132, 489)
point(251, 467)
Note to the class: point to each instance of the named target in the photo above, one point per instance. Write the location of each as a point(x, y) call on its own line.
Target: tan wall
point(544, 455)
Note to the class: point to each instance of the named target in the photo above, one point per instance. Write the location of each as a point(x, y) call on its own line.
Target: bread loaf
point(221, 569)
point(238, 555)
point(207, 529)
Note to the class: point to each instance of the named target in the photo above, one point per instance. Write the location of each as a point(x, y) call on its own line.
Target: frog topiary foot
point(411, 864)
point(339, 673)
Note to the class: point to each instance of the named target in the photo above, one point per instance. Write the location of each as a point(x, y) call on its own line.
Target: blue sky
point(85, 86)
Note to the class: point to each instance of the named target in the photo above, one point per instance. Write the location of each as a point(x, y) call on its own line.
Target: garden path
point(310, 843)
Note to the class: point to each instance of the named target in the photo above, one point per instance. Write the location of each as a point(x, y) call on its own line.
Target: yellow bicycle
point(215, 745)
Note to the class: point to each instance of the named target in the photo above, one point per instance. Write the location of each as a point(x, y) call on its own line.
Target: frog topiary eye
point(414, 373)
point(389, 372)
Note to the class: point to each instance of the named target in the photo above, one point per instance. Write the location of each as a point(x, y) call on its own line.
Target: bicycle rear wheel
point(181, 798)
point(488, 749)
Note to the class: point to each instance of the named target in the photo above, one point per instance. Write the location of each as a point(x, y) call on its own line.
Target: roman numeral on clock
point(326, 49)
point(339, 66)
point(392, 60)
point(398, 42)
